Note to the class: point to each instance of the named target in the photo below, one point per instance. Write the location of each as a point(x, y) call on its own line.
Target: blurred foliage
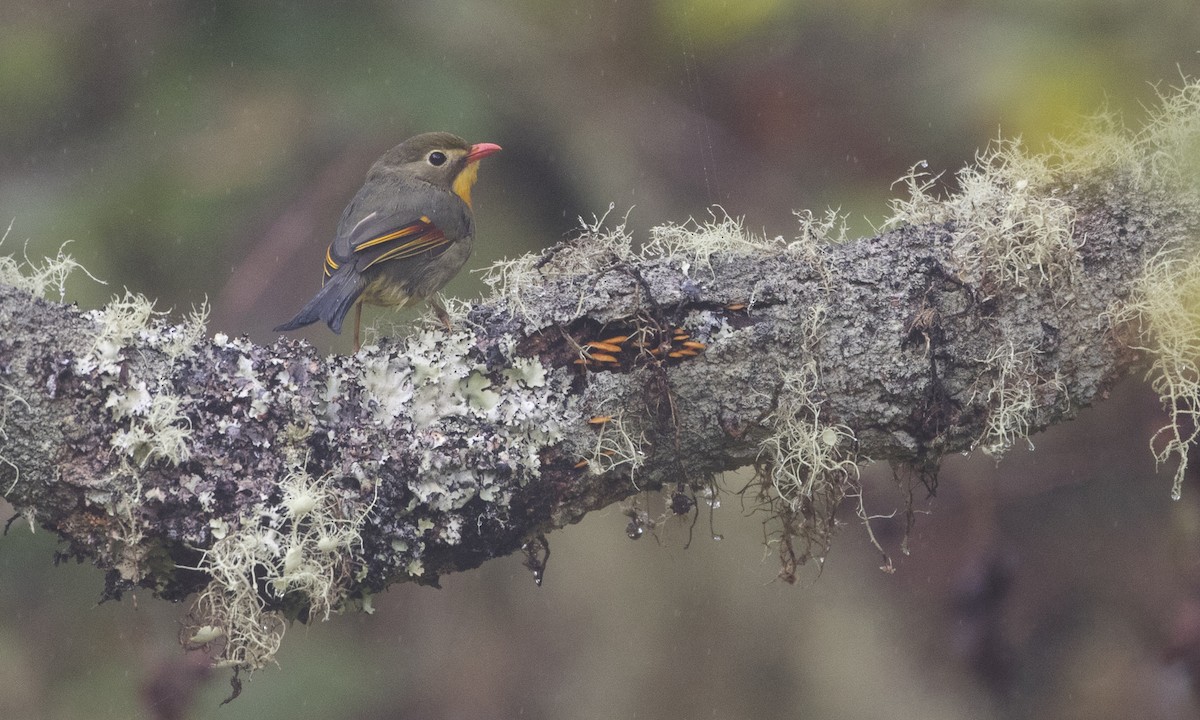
point(196, 150)
point(717, 24)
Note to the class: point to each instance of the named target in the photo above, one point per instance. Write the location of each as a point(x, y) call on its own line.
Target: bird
point(405, 234)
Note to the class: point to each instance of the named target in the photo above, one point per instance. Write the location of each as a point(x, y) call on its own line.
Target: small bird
point(405, 234)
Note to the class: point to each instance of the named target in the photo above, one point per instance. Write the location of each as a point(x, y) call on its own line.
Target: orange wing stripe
point(394, 235)
point(411, 248)
point(330, 263)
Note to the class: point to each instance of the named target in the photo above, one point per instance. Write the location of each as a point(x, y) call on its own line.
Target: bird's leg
point(440, 312)
point(357, 325)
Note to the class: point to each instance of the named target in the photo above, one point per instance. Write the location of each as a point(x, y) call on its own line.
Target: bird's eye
point(437, 158)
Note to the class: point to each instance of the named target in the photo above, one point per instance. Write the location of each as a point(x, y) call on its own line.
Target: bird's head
point(438, 158)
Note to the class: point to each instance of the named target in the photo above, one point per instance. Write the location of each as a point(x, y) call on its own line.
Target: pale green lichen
point(1012, 226)
point(816, 235)
point(1013, 393)
point(520, 281)
point(1171, 138)
point(690, 247)
point(149, 418)
point(1165, 317)
point(1007, 223)
point(153, 423)
point(300, 551)
point(157, 428)
point(180, 339)
point(694, 243)
point(811, 460)
point(1163, 313)
point(808, 464)
point(116, 325)
point(429, 382)
point(469, 431)
point(478, 396)
point(617, 446)
point(41, 277)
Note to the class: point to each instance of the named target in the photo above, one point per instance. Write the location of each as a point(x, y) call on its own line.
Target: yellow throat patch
point(465, 181)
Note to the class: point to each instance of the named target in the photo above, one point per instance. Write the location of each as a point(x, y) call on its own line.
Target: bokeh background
point(195, 151)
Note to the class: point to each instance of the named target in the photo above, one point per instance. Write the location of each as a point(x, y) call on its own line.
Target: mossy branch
point(274, 484)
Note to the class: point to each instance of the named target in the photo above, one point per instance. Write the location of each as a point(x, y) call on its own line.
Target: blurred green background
point(204, 150)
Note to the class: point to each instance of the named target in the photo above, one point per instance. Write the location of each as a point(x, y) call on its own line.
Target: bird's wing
point(379, 239)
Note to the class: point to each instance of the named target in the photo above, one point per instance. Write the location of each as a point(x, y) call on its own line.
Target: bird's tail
point(330, 304)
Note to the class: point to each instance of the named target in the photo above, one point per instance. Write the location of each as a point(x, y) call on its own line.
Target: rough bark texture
point(142, 454)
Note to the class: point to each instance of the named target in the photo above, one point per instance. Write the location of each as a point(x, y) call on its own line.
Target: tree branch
point(277, 484)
